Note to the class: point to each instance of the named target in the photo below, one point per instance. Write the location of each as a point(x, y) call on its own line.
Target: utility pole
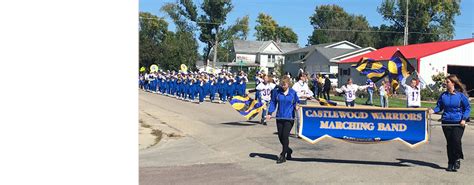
point(405, 35)
point(216, 46)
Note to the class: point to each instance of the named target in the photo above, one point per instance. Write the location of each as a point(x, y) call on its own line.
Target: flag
point(398, 68)
point(247, 106)
point(325, 102)
point(373, 69)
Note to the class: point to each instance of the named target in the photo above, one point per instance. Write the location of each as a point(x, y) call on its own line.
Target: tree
point(239, 31)
point(185, 14)
point(286, 34)
point(430, 20)
point(179, 48)
point(215, 14)
point(384, 36)
point(268, 29)
point(332, 23)
point(152, 33)
point(181, 13)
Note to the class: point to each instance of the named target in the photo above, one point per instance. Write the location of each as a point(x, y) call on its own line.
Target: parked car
point(332, 78)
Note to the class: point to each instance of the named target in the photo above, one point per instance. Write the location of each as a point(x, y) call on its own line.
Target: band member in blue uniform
point(242, 83)
point(141, 81)
point(212, 88)
point(201, 89)
point(258, 80)
point(230, 87)
point(173, 84)
point(178, 85)
point(152, 79)
point(222, 88)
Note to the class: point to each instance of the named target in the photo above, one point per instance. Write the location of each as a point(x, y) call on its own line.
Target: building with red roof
point(454, 57)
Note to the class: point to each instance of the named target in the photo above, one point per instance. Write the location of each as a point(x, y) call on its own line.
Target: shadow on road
point(246, 123)
point(291, 135)
point(341, 161)
point(421, 163)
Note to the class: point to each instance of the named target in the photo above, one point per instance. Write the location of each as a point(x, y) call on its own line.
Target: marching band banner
point(364, 125)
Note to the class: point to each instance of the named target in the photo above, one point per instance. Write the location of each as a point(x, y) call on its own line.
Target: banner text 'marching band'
point(365, 125)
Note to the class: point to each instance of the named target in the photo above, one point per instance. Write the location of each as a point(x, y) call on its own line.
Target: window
point(271, 58)
point(346, 71)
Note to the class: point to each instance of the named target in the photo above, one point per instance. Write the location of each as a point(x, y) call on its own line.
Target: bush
point(252, 73)
point(428, 95)
point(432, 92)
point(363, 94)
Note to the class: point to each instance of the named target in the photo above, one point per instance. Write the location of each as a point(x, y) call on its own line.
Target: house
point(264, 55)
point(454, 57)
point(322, 58)
point(202, 67)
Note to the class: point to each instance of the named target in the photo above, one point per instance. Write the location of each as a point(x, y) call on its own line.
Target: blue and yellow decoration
point(247, 106)
point(364, 125)
point(373, 69)
point(325, 102)
point(399, 67)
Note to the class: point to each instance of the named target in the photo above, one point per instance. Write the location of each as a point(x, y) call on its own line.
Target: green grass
point(251, 85)
point(392, 102)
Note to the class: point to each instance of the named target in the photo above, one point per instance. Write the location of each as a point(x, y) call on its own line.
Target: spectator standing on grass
point(388, 90)
point(327, 87)
point(370, 91)
point(383, 95)
point(413, 92)
point(314, 80)
point(320, 85)
point(350, 90)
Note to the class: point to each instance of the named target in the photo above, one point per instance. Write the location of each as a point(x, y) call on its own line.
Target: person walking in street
point(284, 101)
point(265, 88)
point(455, 106)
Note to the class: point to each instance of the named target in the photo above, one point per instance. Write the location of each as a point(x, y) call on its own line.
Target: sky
point(295, 14)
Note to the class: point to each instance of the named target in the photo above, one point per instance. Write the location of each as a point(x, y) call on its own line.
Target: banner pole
point(424, 82)
point(446, 125)
point(429, 125)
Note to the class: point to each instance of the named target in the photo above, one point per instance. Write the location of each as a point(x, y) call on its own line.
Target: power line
point(374, 31)
point(340, 30)
point(199, 22)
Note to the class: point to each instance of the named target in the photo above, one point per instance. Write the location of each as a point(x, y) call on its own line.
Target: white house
point(322, 58)
point(454, 57)
point(262, 54)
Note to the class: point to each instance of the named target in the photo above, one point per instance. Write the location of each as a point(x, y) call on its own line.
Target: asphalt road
point(220, 147)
